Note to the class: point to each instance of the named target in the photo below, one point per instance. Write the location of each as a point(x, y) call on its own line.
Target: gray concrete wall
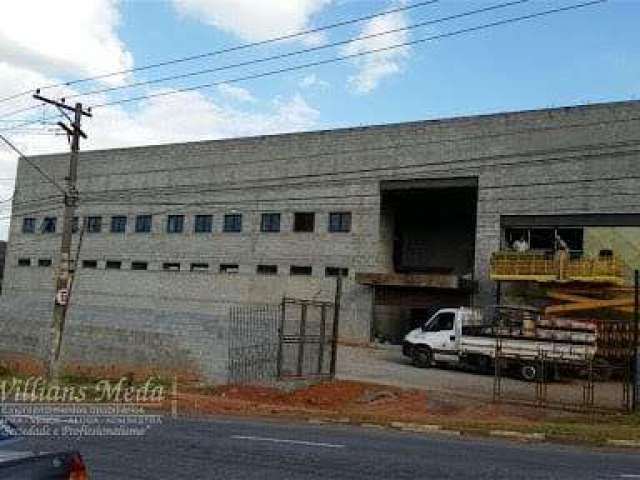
point(567, 160)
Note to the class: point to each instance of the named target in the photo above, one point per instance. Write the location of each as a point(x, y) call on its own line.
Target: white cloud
point(313, 80)
point(255, 20)
point(63, 37)
point(373, 68)
point(233, 92)
point(30, 62)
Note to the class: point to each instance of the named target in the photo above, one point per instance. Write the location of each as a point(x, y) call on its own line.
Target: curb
point(517, 435)
point(624, 443)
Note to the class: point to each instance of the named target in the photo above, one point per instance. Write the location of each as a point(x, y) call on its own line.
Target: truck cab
point(437, 340)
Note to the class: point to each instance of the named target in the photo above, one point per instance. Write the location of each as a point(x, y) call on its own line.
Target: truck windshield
point(443, 321)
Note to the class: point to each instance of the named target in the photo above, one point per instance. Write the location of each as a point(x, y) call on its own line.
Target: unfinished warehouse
point(408, 214)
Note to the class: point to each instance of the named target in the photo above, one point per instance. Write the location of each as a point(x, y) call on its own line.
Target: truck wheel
point(529, 372)
point(422, 357)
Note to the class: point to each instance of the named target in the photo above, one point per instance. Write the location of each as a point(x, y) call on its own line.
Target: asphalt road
point(228, 448)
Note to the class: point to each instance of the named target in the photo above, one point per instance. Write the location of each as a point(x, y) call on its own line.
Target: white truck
point(465, 337)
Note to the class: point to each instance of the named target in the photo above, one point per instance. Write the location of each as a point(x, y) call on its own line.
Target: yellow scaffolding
point(538, 267)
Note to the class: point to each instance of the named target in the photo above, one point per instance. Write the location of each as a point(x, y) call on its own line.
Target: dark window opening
point(232, 222)
point(49, 225)
point(229, 268)
point(175, 223)
point(143, 224)
point(139, 265)
point(113, 265)
point(29, 225)
point(118, 224)
point(89, 264)
point(300, 270)
point(171, 266)
point(270, 222)
point(44, 262)
point(199, 267)
point(94, 224)
point(267, 269)
point(75, 222)
point(335, 271)
point(203, 224)
point(304, 222)
point(24, 262)
point(340, 222)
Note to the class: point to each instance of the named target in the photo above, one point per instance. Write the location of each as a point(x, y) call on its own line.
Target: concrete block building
point(409, 213)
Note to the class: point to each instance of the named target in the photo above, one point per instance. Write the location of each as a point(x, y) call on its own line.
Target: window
point(49, 225)
point(29, 225)
point(232, 222)
point(229, 268)
point(298, 270)
point(270, 222)
point(139, 265)
point(94, 224)
point(203, 224)
point(334, 271)
point(199, 267)
point(545, 238)
point(118, 224)
point(443, 322)
point(267, 269)
point(44, 262)
point(89, 264)
point(143, 224)
point(171, 266)
point(175, 223)
point(113, 265)
point(75, 221)
point(304, 222)
point(340, 222)
point(24, 262)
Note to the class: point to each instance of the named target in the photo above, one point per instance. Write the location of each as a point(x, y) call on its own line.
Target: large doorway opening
point(429, 229)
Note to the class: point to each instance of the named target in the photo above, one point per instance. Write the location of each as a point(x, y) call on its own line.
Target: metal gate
point(295, 339)
point(253, 343)
point(307, 343)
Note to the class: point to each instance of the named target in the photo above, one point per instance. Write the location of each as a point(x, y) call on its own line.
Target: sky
point(580, 56)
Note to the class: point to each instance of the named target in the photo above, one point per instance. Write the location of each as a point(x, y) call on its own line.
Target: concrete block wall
point(568, 160)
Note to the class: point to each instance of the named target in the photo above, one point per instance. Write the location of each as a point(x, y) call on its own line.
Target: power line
point(227, 50)
point(396, 146)
point(336, 59)
point(295, 52)
point(274, 57)
point(242, 186)
point(355, 55)
point(35, 166)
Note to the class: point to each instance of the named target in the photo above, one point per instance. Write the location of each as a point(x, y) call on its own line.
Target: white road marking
point(629, 475)
point(284, 440)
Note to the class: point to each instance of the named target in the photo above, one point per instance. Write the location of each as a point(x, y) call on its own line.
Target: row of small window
point(196, 267)
point(269, 222)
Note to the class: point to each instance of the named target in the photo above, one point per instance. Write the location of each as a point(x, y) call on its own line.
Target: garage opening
point(428, 228)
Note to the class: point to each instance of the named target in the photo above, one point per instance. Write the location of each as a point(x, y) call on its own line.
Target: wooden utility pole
point(65, 268)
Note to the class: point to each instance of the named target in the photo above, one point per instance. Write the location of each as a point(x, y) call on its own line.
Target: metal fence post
point(303, 333)
point(336, 322)
point(281, 339)
point(636, 359)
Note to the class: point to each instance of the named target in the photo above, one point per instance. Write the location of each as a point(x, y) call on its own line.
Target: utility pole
point(65, 269)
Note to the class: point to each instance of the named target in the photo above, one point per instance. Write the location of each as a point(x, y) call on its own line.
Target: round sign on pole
point(62, 297)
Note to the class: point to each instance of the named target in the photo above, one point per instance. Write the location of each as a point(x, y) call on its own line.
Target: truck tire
point(529, 372)
point(422, 357)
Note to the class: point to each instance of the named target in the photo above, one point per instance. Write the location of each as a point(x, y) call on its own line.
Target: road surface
point(229, 448)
